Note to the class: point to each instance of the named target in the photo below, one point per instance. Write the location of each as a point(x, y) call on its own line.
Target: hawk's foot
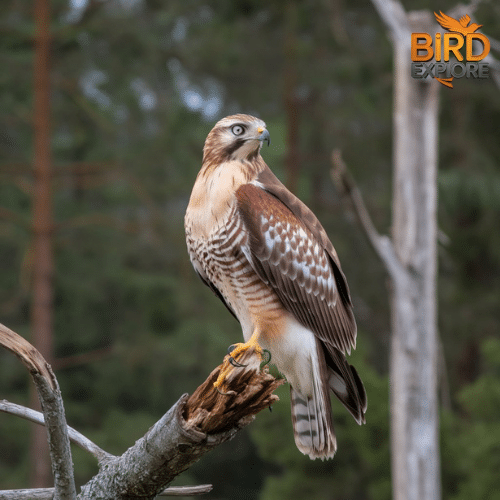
point(236, 352)
point(235, 363)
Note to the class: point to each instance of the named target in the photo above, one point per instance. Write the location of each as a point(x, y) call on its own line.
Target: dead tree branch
point(31, 494)
point(53, 410)
point(193, 426)
point(382, 244)
point(74, 436)
point(186, 491)
point(48, 493)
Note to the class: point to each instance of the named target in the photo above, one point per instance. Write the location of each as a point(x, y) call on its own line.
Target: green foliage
point(471, 452)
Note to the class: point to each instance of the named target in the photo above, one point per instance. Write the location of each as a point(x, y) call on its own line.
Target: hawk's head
point(236, 137)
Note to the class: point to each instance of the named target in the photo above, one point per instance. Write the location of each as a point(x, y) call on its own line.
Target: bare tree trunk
point(410, 259)
point(414, 350)
point(42, 228)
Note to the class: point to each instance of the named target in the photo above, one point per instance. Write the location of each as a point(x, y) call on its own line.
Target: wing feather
point(294, 256)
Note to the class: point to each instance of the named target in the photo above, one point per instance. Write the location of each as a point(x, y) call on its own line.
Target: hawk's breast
point(219, 258)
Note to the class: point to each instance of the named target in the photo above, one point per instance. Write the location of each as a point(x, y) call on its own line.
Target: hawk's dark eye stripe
point(235, 145)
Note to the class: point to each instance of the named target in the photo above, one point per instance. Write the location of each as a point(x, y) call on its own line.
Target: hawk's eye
point(237, 130)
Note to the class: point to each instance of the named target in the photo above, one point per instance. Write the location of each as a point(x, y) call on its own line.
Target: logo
point(431, 58)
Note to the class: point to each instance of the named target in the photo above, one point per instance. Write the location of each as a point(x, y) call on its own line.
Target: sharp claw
point(220, 392)
point(230, 393)
point(266, 361)
point(235, 363)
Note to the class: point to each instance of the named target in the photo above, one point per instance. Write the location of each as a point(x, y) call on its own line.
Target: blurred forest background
point(136, 85)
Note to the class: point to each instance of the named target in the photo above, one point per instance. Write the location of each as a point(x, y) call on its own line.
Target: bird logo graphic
point(462, 26)
point(461, 40)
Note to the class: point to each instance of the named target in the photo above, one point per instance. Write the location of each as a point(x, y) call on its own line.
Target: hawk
point(269, 260)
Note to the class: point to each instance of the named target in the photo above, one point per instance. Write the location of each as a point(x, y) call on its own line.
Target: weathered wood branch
point(186, 491)
point(248, 391)
point(29, 356)
point(48, 493)
point(37, 418)
point(192, 427)
point(53, 410)
point(29, 494)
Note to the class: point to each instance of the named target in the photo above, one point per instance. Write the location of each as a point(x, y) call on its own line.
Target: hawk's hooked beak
point(264, 135)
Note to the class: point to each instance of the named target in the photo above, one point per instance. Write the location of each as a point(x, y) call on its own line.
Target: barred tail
point(312, 423)
point(312, 415)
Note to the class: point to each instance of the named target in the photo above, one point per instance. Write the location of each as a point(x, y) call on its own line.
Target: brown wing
point(270, 183)
point(289, 257)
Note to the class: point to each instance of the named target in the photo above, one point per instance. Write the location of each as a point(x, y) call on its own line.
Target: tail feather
point(346, 384)
point(312, 415)
point(318, 368)
point(363, 399)
point(312, 426)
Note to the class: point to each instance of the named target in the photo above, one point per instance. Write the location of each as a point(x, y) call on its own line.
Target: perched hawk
point(267, 257)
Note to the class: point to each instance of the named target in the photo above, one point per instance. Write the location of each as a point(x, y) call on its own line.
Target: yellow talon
point(238, 351)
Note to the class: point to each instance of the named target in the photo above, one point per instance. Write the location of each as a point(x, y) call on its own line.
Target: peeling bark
point(193, 426)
